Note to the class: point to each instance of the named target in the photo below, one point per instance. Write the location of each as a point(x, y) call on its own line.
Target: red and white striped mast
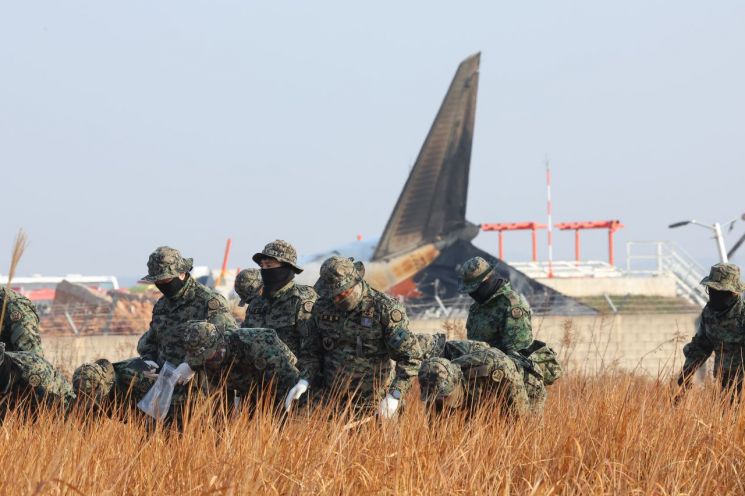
point(550, 224)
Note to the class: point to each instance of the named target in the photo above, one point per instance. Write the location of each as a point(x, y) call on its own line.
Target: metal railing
point(644, 258)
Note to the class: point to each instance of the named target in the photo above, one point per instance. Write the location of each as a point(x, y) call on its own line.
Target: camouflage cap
point(248, 285)
point(472, 273)
point(94, 381)
point(724, 277)
point(281, 251)
point(201, 341)
point(438, 378)
point(337, 275)
point(166, 262)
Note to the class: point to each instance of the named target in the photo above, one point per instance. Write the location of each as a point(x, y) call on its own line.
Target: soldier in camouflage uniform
point(248, 286)
point(471, 373)
point(721, 330)
point(284, 305)
point(360, 330)
point(26, 379)
point(19, 331)
point(103, 383)
point(184, 299)
point(501, 317)
point(242, 361)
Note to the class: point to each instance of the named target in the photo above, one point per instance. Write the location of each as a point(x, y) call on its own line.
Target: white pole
point(720, 242)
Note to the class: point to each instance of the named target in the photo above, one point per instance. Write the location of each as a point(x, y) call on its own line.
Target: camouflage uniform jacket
point(255, 358)
point(20, 330)
point(163, 341)
point(721, 332)
point(357, 346)
point(287, 311)
point(503, 321)
point(24, 372)
point(489, 373)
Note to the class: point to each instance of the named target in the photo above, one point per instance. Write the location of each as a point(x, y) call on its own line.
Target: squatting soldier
point(248, 286)
point(248, 360)
point(471, 373)
point(183, 299)
point(27, 379)
point(501, 317)
point(360, 331)
point(283, 305)
point(19, 331)
point(721, 329)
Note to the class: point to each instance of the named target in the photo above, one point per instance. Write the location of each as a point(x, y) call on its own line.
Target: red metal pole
point(610, 246)
point(576, 245)
point(501, 245)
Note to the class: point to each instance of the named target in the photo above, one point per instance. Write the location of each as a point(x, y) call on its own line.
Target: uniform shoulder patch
point(34, 380)
point(308, 306)
point(396, 315)
point(213, 304)
point(517, 312)
point(260, 363)
point(497, 375)
point(15, 315)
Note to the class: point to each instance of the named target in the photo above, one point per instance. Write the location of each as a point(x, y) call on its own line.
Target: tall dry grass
point(617, 434)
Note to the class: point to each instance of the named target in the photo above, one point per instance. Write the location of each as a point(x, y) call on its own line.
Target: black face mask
point(172, 287)
point(721, 300)
point(276, 278)
point(487, 289)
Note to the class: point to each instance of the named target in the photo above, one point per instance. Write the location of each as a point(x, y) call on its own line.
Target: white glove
point(183, 373)
point(388, 407)
point(151, 374)
point(295, 393)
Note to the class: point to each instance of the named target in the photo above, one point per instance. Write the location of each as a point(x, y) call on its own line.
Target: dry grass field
point(615, 434)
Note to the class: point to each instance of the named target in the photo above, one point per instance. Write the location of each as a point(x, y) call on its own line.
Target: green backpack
point(546, 359)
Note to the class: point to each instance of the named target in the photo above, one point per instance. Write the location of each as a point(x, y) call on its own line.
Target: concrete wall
point(650, 344)
point(591, 286)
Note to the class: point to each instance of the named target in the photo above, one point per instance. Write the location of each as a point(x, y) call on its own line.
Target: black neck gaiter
point(487, 289)
point(721, 300)
point(276, 278)
point(171, 288)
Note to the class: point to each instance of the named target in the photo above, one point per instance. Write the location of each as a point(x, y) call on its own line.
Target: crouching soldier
point(471, 373)
point(245, 363)
point(27, 380)
point(358, 332)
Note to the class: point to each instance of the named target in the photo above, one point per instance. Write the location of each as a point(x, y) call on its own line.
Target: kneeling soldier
point(26, 379)
point(246, 362)
point(472, 373)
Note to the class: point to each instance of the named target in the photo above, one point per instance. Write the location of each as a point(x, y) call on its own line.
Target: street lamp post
point(716, 228)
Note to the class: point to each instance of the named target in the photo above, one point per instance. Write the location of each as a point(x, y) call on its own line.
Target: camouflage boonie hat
point(337, 275)
point(438, 378)
point(248, 285)
point(472, 273)
point(281, 251)
point(201, 341)
point(95, 380)
point(724, 277)
point(166, 262)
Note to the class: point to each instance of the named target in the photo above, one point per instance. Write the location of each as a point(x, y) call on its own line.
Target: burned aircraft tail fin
point(432, 205)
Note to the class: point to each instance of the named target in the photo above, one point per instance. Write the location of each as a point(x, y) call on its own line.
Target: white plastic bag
point(157, 401)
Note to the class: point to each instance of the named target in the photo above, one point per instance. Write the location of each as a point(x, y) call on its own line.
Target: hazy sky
point(128, 125)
